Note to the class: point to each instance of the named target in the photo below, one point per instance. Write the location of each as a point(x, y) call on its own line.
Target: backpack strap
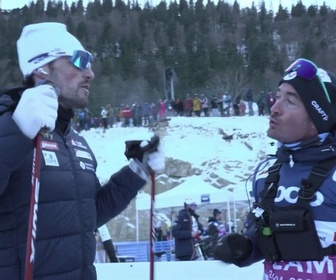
point(318, 174)
point(273, 174)
point(271, 185)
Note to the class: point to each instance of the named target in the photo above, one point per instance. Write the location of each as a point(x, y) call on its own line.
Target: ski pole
point(131, 151)
point(31, 235)
point(152, 227)
point(34, 197)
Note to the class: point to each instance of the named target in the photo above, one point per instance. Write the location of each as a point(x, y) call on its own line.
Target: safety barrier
point(139, 251)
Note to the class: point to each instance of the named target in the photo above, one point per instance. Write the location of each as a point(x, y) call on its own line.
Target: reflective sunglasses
point(307, 70)
point(80, 59)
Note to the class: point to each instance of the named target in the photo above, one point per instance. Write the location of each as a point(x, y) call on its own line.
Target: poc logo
point(291, 196)
point(320, 110)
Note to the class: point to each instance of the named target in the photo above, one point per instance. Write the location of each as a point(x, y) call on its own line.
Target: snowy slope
point(200, 142)
point(196, 140)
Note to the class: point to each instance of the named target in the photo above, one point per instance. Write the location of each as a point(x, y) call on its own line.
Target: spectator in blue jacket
point(294, 211)
point(70, 204)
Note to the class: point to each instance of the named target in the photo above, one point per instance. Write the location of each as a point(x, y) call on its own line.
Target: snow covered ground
point(196, 270)
point(196, 140)
point(200, 142)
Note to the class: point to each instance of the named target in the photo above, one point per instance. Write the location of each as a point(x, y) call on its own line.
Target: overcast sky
point(10, 4)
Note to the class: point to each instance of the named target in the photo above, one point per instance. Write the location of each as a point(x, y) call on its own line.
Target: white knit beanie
point(42, 43)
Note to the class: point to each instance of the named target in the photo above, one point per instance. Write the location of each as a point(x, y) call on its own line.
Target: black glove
point(136, 149)
point(233, 248)
point(148, 156)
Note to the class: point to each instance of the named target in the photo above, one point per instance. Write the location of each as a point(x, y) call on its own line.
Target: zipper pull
point(291, 161)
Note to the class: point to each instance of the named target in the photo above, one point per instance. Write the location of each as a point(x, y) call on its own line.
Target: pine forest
point(205, 47)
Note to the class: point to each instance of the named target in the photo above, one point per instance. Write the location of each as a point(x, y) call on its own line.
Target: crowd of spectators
point(147, 113)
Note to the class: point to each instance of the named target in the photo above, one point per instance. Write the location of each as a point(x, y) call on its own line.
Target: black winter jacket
point(181, 231)
point(72, 204)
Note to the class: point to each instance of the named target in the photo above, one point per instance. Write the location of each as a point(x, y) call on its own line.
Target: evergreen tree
point(173, 11)
point(312, 11)
point(127, 60)
point(70, 25)
point(106, 67)
point(95, 10)
point(152, 75)
point(52, 9)
point(298, 10)
point(73, 8)
point(107, 6)
point(82, 31)
point(282, 14)
point(80, 8)
point(160, 12)
point(251, 23)
point(324, 10)
point(66, 9)
point(259, 57)
point(225, 15)
point(265, 22)
point(136, 6)
point(308, 50)
point(236, 9)
point(120, 6)
point(39, 7)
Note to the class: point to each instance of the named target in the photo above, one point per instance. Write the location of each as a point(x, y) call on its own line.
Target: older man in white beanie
point(71, 203)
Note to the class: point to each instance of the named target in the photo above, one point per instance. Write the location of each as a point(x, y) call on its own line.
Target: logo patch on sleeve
point(49, 145)
point(83, 154)
point(78, 144)
point(50, 158)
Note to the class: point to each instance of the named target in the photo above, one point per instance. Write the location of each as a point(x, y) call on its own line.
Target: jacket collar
point(312, 150)
point(63, 121)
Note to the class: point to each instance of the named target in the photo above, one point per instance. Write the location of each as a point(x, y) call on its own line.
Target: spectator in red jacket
point(127, 115)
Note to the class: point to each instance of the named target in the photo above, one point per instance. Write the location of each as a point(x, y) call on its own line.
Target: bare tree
point(232, 80)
